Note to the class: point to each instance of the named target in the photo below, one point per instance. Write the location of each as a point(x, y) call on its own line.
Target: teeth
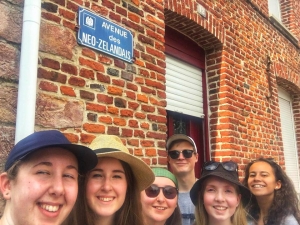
point(160, 208)
point(50, 208)
point(258, 186)
point(220, 208)
point(106, 199)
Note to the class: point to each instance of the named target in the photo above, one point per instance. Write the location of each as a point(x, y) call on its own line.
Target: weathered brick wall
point(244, 119)
point(10, 38)
point(85, 93)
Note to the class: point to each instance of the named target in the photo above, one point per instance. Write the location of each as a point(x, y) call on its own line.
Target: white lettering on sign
point(88, 39)
point(112, 38)
point(117, 50)
point(114, 29)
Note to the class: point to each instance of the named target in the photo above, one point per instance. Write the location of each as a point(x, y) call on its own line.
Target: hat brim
point(141, 171)
point(245, 192)
point(85, 156)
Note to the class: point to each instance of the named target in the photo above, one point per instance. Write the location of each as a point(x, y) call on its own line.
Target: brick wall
point(83, 92)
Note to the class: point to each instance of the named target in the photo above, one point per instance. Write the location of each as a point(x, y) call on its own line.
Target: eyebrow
point(114, 171)
point(49, 164)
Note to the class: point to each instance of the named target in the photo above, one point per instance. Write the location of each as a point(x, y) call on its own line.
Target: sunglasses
point(174, 154)
point(228, 165)
point(168, 191)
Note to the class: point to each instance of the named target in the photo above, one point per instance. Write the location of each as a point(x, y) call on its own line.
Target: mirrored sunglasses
point(174, 154)
point(168, 191)
point(228, 165)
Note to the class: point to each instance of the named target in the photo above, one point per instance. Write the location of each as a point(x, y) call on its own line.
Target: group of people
point(49, 181)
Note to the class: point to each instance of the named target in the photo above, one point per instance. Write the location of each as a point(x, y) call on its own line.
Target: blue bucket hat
point(86, 158)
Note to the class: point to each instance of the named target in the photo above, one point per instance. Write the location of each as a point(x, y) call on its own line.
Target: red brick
point(47, 86)
point(103, 78)
point(114, 90)
point(76, 81)
point(89, 74)
point(68, 68)
point(133, 105)
point(142, 98)
point(92, 64)
point(50, 63)
point(94, 128)
point(112, 110)
point(126, 113)
point(65, 90)
point(138, 152)
point(139, 133)
point(89, 53)
point(104, 99)
point(105, 119)
point(112, 130)
point(151, 152)
point(119, 121)
point(95, 107)
point(73, 138)
point(126, 132)
point(118, 82)
point(133, 123)
point(130, 95)
point(87, 138)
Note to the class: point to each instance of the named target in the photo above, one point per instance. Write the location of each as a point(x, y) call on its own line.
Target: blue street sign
point(100, 34)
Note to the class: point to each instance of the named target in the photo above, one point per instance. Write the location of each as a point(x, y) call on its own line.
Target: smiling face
point(182, 165)
point(44, 190)
point(220, 200)
point(262, 181)
point(158, 209)
point(106, 188)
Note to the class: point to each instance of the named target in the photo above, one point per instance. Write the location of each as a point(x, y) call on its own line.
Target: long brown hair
point(129, 213)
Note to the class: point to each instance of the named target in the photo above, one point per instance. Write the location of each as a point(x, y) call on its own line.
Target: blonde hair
point(201, 215)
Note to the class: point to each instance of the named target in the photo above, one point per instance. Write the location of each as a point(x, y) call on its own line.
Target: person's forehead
point(181, 143)
point(51, 152)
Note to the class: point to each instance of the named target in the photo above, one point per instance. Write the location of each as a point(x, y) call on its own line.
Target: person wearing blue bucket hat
point(218, 196)
point(40, 179)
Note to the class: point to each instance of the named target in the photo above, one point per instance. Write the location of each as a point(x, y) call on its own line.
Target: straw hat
point(112, 146)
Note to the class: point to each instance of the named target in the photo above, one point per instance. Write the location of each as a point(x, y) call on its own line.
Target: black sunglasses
point(228, 165)
point(168, 191)
point(174, 154)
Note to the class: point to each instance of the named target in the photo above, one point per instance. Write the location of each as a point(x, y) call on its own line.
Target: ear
point(278, 185)
point(196, 156)
point(5, 186)
point(168, 158)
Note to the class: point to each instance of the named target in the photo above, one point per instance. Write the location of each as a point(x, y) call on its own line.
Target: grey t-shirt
point(187, 208)
point(289, 220)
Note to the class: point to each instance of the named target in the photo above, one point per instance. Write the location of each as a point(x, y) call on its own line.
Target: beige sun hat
point(112, 146)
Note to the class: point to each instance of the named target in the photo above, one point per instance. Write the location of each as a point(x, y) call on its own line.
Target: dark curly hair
point(285, 200)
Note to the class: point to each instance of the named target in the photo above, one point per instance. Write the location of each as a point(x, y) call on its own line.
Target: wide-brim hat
point(182, 137)
point(231, 176)
point(86, 158)
point(112, 146)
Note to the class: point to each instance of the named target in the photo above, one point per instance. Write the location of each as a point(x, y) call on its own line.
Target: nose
point(160, 197)
point(106, 185)
point(181, 156)
point(57, 186)
point(219, 196)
